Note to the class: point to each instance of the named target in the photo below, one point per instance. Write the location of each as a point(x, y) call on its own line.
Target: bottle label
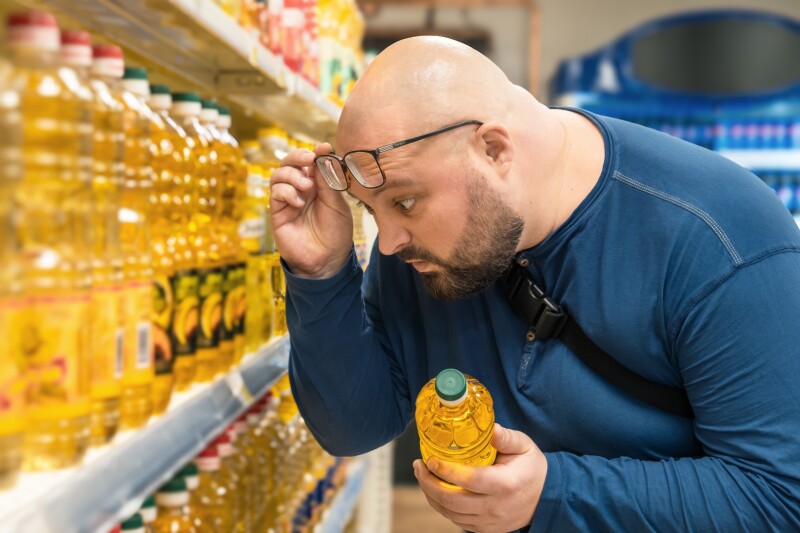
point(55, 346)
point(252, 232)
point(255, 303)
point(241, 297)
point(186, 318)
point(210, 296)
point(278, 296)
point(234, 292)
point(12, 367)
point(106, 367)
point(163, 309)
point(137, 343)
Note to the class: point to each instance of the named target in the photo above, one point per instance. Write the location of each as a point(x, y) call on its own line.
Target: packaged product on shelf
point(148, 509)
point(12, 367)
point(292, 24)
point(271, 31)
point(203, 231)
point(52, 225)
point(212, 499)
point(310, 40)
point(234, 190)
point(225, 189)
point(455, 419)
point(232, 477)
point(135, 524)
point(173, 512)
point(106, 326)
point(189, 473)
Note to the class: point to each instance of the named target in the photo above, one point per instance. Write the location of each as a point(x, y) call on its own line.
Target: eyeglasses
point(364, 165)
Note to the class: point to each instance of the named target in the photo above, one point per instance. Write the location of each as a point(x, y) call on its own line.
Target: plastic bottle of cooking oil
point(274, 144)
point(234, 192)
point(285, 437)
point(51, 229)
point(222, 226)
point(212, 498)
point(173, 511)
point(148, 510)
point(203, 234)
point(252, 235)
point(12, 384)
point(455, 420)
point(169, 245)
point(106, 255)
point(189, 473)
point(232, 478)
point(135, 524)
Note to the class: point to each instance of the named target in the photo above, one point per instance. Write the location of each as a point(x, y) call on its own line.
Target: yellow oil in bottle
point(212, 498)
point(232, 478)
point(234, 191)
point(173, 514)
point(51, 229)
point(12, 367)
point(106, 255)
point(287, 437)
point(246, 467)
point(272, 452)
point(172, 169)
point(252, 236)
point(227, 173)
point(254, 445)
point(455, 420)
point(203, 235)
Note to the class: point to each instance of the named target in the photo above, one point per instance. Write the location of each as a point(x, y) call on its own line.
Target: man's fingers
point(323, 149)
point(447, 495)
point(467, 477)
point(458, 518)
point(283, 192)
point(299, 158)
point(510, 442)
point(293, 177)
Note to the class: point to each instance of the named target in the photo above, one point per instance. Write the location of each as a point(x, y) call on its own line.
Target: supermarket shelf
point(341, 510)
point(195, 40)
point(765, 159)
point(113, 480)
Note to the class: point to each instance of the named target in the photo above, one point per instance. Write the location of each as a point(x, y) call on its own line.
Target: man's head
point(451, 203)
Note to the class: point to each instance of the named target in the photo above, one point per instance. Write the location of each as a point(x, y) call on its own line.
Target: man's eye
point(367, 208)
point(405, 205)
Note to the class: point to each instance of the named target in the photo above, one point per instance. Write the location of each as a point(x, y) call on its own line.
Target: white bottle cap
point(35, 30)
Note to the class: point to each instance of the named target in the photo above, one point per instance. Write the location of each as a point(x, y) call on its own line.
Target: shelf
point(341, 510)
point(112, 481)
point(765, 159)
point(196, 41)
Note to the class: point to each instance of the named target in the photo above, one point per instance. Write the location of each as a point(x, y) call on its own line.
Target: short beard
point(484, 252)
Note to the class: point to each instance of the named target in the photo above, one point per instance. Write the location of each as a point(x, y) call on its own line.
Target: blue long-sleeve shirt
point(681, 265)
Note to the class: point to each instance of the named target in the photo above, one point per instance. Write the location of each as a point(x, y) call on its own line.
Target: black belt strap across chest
point(548, 320)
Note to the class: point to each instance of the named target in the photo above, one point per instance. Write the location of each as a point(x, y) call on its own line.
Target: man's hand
point(488, 499)
point(312, 223)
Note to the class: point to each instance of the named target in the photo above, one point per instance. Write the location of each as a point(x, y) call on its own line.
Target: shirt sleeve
point(738, 347)
point(346, 380)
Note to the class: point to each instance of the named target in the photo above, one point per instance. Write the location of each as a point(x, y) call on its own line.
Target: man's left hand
point(488, 499)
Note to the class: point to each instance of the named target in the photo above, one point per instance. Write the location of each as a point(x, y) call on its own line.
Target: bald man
point(677, 263)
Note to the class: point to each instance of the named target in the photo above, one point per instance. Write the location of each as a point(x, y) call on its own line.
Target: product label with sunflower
point(12, 367)
point(138, 346)
point(186, 316)
point(107, 339)
point(209, 289)
point(163, 309)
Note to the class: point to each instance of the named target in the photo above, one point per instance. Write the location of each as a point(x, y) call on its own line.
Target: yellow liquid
point(212, 501)
point(460, 434)
point(171, 168)
point(252, 237)
point(204, 240)
point(52, 224)
point(12, 367)
point(278, 282)
point(137, 380)
point(232, 478)
point(173, 520)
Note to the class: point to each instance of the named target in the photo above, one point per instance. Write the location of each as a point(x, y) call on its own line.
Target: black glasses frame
point(376, 153)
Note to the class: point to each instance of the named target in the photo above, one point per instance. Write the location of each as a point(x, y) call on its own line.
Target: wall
point(568, 27)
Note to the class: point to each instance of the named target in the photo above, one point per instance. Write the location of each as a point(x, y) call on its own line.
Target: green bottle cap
point(223, 110)
point(186, 97)
point(189, 469)
point(210, 104)
point(159, 89)
point(135, 73)
point(176, 484)
point(133, 523)
point(451, 384)
point(148, 502)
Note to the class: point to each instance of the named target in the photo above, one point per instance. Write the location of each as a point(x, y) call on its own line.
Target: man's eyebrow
point(393, 183)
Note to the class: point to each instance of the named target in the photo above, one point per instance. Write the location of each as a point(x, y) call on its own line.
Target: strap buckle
point(545, 317)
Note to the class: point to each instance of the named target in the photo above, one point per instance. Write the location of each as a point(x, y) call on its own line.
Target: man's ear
point(496, 145)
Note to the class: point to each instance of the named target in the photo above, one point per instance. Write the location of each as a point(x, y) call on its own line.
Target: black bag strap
point(548, 320)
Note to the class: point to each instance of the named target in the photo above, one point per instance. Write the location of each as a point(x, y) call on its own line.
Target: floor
point(411, 513)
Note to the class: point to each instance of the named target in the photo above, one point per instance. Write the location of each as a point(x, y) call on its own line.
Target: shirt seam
point(560, 495)
point(691, 208)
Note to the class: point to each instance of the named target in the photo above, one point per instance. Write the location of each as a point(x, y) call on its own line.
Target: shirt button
point(523, 262)
point(531, 336)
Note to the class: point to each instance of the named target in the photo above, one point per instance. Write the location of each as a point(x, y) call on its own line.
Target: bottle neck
point(31, 57)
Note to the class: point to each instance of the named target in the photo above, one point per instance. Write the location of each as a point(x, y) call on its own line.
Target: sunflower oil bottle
point(212, 499)
point(203, 234)
point(234, 190)
point(173, 514)
point(135, 524)
point(51, 229)
point(253, 238)
point(225, 178)
point(232, 478)
point(12, 384)
point(285, 444)
point(254, 446)
point(174, 199)
point(455, 419)
point(103, 231)
point(148, 510)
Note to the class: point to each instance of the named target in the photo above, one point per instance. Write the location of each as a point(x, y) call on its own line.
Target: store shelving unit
point(112, 481)
point(195, 42)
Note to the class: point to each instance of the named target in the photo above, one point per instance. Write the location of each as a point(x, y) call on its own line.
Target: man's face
point(441, 216)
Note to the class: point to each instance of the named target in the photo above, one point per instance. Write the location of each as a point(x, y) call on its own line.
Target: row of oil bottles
point(266, 473)
point(136, 255)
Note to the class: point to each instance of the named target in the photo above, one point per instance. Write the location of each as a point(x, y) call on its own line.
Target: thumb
point(510, 442)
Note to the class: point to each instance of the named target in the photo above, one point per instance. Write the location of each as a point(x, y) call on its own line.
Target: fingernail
point(433, 464)
point(414, 465)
